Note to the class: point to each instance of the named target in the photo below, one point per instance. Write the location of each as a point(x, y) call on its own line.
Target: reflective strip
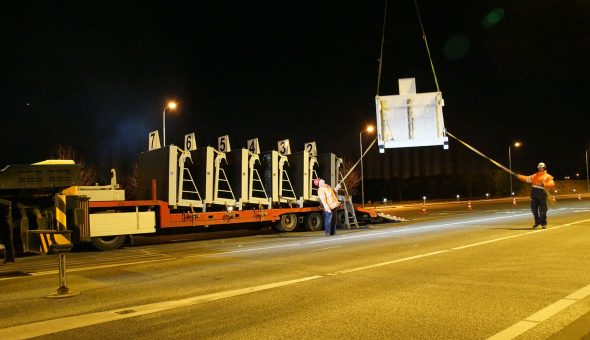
point(60, 212)
point(44, 244)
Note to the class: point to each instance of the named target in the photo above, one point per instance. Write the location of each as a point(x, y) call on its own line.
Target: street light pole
point(171, 106)
point(368, 129)
point(362, 180)
point(587, 178)
point(510, 167)
point(516, 145)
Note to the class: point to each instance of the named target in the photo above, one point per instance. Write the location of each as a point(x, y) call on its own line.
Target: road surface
point(452, 272)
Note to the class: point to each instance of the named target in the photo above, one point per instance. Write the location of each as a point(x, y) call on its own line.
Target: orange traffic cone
point(513, 200)
point(423, 208)
point(579, 197)
point(469, 205)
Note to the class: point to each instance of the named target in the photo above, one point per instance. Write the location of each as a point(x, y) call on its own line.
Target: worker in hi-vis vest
point(330, 202)
point(541, 181)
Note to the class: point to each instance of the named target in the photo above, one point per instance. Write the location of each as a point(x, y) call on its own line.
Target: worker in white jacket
point(329, 202)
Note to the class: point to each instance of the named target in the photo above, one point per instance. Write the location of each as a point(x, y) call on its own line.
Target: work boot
point(535, 225)
point(544, 226)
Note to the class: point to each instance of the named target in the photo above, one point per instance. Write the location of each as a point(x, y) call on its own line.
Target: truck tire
point(288, 222)
point(108, 242)
point(341, 219)
point(313, 222)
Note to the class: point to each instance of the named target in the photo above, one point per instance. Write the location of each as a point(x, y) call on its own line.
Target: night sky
point(95, 75)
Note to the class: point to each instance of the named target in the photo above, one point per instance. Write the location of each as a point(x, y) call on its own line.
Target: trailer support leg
point(63, 291)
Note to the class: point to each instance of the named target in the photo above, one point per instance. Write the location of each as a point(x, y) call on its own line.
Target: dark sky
point(95, 75)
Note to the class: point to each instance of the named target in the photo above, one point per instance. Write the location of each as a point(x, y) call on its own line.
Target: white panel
point(190, 142)
point(410, 119)
point(122, 223)
point(153, 140)
point(407, 85)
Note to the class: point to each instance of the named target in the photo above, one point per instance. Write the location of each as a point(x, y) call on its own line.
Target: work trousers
point(539, 208)
point(329, 225)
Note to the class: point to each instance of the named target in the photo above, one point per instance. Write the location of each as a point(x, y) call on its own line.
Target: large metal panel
point(159, 165)
point(329, 168)
point(238, 173)
point(410, 119)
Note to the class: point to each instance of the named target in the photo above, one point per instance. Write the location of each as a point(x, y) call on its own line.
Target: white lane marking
point(533, 320)
point(51, 272)
point(550, 310)
point(389, 232)
point(262, 248)
point(496, 240)
point(389, 262)
point(67, 323)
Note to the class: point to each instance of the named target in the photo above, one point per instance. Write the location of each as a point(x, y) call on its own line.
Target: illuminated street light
point(172, 106)
point(369, 129)
point(516, 145)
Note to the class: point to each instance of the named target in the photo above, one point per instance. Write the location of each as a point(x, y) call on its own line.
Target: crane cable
point(481, 154)
point(381, 49)
point(426, 44)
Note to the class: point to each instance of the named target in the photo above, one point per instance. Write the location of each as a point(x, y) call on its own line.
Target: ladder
point(257, 185)
point(223, 185)
point(192, 191)
point(348, 207)
point(286, 186)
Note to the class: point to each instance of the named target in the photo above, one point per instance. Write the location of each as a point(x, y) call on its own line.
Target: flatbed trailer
point(155, 216)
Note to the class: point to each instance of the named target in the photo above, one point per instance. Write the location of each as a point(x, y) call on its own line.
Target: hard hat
point(541, 165)
point(316, 182)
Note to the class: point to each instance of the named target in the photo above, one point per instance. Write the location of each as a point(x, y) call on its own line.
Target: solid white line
point(67, 323)
point(547, 312)
point(389, 262)
point(262, 248)
point(495, 240)
point(51, 272)
point(513, 331)
point(550, 310)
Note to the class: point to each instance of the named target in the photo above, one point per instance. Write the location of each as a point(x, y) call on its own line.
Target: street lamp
point(587, 178)
point(369, 129)
point(516, 145)
point(171, 105)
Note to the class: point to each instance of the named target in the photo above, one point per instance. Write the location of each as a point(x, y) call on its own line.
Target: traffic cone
point(579, 197)
point(469, 205)
point(513, 200)
point(423, 208)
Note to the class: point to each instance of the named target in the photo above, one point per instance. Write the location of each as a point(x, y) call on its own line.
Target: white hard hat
point(541, 165)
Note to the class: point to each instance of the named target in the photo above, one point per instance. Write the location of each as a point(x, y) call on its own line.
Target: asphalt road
point(449, 273)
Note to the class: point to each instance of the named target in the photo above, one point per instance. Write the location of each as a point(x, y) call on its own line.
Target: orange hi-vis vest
point(328, 197)
point(540, 180)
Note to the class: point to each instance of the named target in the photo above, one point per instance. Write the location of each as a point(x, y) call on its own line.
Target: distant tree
point(88, 175)
point(130, 182)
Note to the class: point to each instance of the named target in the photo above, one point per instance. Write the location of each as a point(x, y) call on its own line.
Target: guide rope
point(426, 44)
point(481, 154)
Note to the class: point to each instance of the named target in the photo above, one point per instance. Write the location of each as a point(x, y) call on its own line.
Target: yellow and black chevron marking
point(47, 240)
point(60, 212)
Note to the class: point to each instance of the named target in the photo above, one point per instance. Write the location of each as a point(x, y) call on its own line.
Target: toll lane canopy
point(410, 119)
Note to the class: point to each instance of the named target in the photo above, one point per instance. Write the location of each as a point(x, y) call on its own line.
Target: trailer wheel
point(288, 222)
point(341, 219)
point(108, 242)
point(313, 222)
